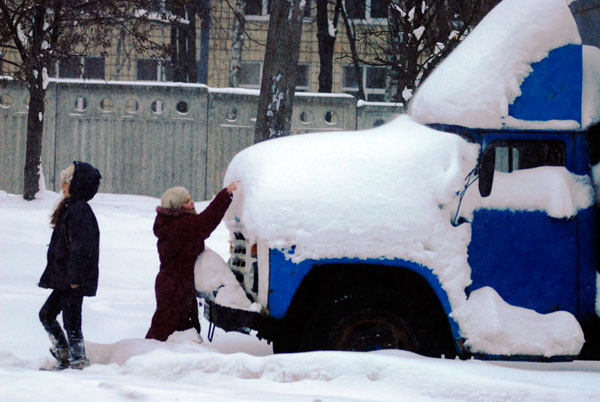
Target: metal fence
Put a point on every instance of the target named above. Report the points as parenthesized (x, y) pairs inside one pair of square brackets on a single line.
[(146, 137)]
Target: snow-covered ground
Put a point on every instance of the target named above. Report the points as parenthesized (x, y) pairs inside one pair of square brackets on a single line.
[(234, 367)]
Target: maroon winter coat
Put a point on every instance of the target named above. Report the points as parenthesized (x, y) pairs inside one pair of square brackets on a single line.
[(181, 236)]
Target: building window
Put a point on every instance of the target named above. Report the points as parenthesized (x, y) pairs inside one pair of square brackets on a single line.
[(372, 77), (157, 5), (93, 68), (257, 7), (153, 70), (262, 8), (367, 9), (251, 74), (303, 78), (78, 67)]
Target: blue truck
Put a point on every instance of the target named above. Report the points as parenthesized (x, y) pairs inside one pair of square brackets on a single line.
[(533, 260)]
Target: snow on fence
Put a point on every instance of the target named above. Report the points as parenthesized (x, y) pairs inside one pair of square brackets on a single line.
[(146, 137)]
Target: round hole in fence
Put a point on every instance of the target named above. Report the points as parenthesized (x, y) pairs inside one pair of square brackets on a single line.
[(231, 115), (132, 105), (157, 107), (107, 105), (6, 101), (81, 104), (378, 122), (182, 107), (306, 117), (331, 117)]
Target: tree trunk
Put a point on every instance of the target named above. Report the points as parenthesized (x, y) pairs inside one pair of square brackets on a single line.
[(326, 42), (204, 41), (278, 84), (35, 129), (237, 40), (191, 68)]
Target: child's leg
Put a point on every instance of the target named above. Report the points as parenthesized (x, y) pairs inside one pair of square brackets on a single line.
[(71, 308), (48, 314)]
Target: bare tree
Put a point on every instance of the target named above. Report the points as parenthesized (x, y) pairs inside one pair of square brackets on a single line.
[(413, 37), (278, 84), (34, 35), (326, 35), (351, 34), (237, 41)]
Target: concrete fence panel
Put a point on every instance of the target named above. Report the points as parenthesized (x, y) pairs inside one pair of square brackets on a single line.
[(142, 139), (146, 137), (14, 106), (232, 117)]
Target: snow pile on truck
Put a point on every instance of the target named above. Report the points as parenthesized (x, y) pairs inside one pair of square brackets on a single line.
[(388, 192), (481, 79)]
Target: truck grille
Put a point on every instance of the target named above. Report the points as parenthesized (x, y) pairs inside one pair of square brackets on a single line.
[(243, 263)]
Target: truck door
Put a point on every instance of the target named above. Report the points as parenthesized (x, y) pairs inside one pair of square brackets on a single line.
[(527, 256)]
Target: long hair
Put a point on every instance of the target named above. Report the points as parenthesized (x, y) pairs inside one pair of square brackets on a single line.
[(58, 212), (65, 177)]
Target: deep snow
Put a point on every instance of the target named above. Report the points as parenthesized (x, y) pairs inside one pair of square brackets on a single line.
[(234, 367)]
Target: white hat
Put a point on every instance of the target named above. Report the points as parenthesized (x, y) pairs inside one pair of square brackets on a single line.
[(174, 198), (67, 175)]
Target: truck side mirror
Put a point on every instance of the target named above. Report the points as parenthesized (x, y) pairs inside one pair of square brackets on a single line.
[(487, 164)]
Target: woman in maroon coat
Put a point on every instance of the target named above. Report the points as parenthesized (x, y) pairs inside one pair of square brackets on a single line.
[(181, 233)]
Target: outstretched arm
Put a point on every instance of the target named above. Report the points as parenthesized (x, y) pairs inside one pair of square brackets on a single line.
[(209, 219)]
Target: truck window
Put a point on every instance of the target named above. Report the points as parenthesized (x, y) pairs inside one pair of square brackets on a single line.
[(516, 155)]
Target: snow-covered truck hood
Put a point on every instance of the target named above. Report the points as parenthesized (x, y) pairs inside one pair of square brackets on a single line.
[(387, 192)]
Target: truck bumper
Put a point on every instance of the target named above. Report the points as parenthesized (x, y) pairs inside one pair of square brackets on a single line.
[(231, 319)]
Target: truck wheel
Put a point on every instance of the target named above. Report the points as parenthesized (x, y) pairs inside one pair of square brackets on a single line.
[(369, 321), (286, 342)]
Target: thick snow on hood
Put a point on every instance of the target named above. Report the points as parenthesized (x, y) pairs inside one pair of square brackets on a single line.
[(387, 192), (478, 81)]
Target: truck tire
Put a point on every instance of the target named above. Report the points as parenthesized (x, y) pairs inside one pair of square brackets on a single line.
[(364, 320)]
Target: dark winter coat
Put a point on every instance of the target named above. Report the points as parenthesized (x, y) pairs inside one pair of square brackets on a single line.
[(181, 236), (74, 245)]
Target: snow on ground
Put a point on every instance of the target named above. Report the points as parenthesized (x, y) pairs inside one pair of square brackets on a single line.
[(234, 367)]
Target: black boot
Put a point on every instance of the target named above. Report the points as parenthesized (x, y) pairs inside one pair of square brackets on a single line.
[(77, 357), (59, 349), (62, 357)]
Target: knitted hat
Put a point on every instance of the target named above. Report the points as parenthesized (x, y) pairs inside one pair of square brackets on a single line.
[(174, 198), (67, 175)]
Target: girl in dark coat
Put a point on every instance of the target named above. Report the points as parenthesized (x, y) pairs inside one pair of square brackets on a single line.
[(181, 233), (72, 269)]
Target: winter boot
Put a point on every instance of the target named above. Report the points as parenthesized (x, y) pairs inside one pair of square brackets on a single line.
[(61, 354), (77, 359), (59, 349)]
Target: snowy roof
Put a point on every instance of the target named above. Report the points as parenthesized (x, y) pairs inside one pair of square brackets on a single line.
[(482, 77)]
